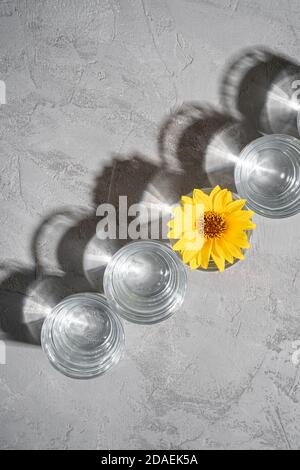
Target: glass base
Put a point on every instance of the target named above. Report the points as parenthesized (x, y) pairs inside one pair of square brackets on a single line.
[(268, 176), (145, 282), (82, 337)]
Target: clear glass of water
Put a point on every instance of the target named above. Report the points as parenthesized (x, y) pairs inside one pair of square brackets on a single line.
[(145, 282), (82, 336), (267, 174)]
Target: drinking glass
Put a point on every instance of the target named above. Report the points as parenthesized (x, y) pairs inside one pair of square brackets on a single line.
[(145, 282), (267, 174), (82, 336)]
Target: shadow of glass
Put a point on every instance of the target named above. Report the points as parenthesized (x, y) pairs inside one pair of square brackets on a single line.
[(71, 233), (26, 300), (69, 256), (200, 147), (262, 87)]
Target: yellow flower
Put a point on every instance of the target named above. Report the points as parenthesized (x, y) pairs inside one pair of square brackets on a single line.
[(210, 226)]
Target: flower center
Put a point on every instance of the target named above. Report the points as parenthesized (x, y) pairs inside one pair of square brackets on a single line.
[(214, 224)]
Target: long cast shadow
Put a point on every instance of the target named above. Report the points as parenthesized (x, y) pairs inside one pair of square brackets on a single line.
[(70, 258), (262, 87), (198, 146), (77, 259)]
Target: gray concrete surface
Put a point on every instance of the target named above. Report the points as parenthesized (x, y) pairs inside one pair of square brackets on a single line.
[(90, 85)]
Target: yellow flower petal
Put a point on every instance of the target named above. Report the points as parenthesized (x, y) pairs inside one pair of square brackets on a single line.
[(193, 240), (190, 236), (228, 198), (171, 223), (235, 206), (236, 232), (234, 250), (188, 255), (183, 221), (241, 225), (219, 199), (222, 250), (177, 211), (239, 240), (213, 194), (180, 245), (240, 215), (220, 262), (249, 226), (194, 263), (205, 253), (188, 221), (199, 257), (200, 197), (186, 200)]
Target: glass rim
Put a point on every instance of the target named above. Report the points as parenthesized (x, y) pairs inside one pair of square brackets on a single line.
[(132, 313), (286, 210), (65, 366)]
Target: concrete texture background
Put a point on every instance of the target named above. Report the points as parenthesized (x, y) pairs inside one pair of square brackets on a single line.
[(91, 86)]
